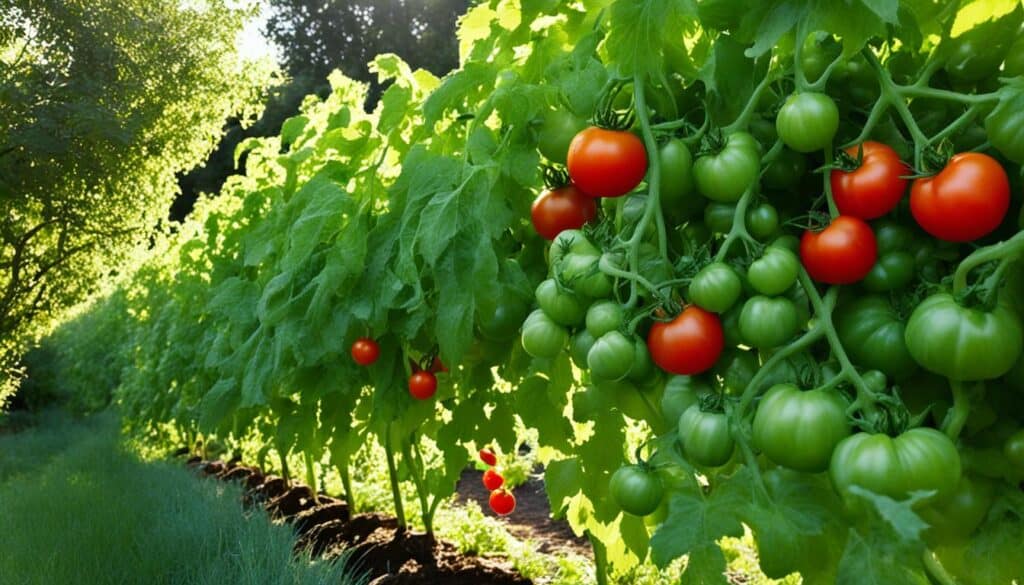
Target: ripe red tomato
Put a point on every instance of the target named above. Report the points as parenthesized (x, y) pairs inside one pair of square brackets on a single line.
[(488, 457), (842, 253), (562, 209), (875, 187), (493, 480), (502, 502), (606, 163), (965, 201), (422, 385), (365, 351), (688, 344)]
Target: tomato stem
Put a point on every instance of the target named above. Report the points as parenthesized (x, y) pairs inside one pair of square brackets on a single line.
[(396, 493), (833, 211), (739, 225), (801, 343), (937, 572), (1008, 249), (957, 416)]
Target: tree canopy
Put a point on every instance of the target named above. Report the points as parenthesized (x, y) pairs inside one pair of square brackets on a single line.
[(102, 102)]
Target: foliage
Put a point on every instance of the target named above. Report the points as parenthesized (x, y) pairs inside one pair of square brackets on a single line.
[(101, 103), (409, 225)]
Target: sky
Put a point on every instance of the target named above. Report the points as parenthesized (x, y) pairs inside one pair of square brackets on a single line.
[(251, 42)]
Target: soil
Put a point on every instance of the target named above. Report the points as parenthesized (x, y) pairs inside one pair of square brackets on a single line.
[(531, 521), (375, 544)]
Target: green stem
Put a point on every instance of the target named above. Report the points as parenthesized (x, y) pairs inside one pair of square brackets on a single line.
[(739, 225), (936, 570), (416, 471), (653, 208), (874, 117), (741, 121), (600, 559), (346, 483), (285, 472), (798, 71), (866, 398), (966, 118), (605, 265), (833, 211), (311, 474), (801, 343), (957, 416), (1011, 248), (396, 493), (892, 93), (915, 91)]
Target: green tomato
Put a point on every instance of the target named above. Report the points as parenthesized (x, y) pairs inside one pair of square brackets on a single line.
[(563, 306), (768, 322), (774, 272), (786, 171), (580, 346), (891, 271), (874, 337), (718, 217), (570, 242), (892, 237), (726, 175), (604, 316), (963, 343), (678, 198), (731, 326), (581, 273), (819, 50), (716, 287), (682, 392), (762, 221), (788, 242), (636, 489), (976, 54), (808, 121), (799, 430), (1013, 448), (643, 369), (542, 337), (557, 130), (921, 459), (736, 368), (954, 520), (501, 320), (705, 437), (611, 357), (1005, 127), (856, 82), (1013, 64)]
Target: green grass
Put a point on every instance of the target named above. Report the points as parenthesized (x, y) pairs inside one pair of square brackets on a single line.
[(77, 507)]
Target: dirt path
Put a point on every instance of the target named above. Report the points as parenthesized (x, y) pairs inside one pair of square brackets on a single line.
[(532, 518)]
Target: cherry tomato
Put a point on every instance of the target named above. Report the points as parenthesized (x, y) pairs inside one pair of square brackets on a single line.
[(488, 457), (636, 489), (566, 208), (807, 121), (365, 351), (875, 187), (502, 502), (606, 163), (689, 344), (493, 480), (422, 385), (842, 253), (965, 201)]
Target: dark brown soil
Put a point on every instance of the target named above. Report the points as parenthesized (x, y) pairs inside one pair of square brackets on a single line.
[(375, 544), (531, 519)]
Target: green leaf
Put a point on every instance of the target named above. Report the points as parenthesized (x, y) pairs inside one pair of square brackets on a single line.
[(217, 404), (694, 525), (637, 30), (562, 480), (535, 406), (292, 128), (887, 546), (777, 22)]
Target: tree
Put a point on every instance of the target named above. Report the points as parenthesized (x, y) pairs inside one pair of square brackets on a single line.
[(102, 102)]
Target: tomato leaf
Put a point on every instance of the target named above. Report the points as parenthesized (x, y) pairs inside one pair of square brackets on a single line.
[(693, 526)]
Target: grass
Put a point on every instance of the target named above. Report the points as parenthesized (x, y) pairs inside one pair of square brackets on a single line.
[(77, 507)]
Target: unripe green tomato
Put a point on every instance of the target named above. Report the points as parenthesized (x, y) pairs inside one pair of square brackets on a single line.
[(557, 130), (808, 121), (611, 357), (774, 272), (798, 429), (762, 221), (767, 322), (705, 437), (682, 392), (542, 337), (564, 307), (604, 316), (580, 346), (716, 287), (636, 489), (718, 217), (786, 171)]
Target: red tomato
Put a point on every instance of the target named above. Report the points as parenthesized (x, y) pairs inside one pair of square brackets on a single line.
[(875, 187), (606, 163), (365, 351), (422, 385), (688, 344), (502, 502), (965, 201), (493, 480), (488, 457), (562, 209), (842, 253)]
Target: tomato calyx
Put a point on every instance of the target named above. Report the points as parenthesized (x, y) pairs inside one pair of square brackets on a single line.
[(555, 177), (609, 118), (713, 142), (846, 162)]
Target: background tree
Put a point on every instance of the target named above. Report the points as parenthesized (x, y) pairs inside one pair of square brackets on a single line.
[(317, 37), (102, 102)]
